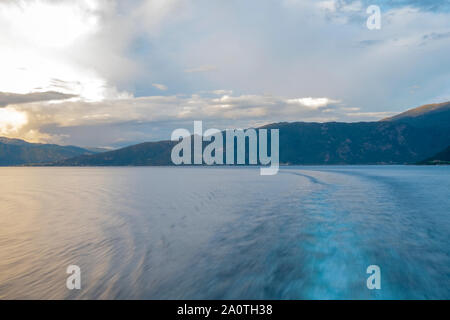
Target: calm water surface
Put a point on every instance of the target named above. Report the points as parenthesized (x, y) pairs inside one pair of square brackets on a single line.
[(224, 233)]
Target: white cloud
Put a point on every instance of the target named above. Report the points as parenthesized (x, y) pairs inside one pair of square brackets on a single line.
[(349, 109), (160, 86), (48, 24), (83, 44), (36, 37), (226, 109), (222, 92), (313, 103), (328, 5), (280, 62), (11, 121), (354, 6)]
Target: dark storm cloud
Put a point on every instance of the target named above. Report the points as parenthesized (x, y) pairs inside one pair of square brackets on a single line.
[(7, 98)]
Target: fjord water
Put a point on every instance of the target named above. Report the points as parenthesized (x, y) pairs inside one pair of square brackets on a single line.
[(225, 233)]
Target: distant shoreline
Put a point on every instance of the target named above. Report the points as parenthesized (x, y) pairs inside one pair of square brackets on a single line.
[(227, 166)]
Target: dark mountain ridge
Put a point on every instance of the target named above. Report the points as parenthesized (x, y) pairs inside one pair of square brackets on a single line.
[(404, 139), (15, 152), (357, 143), (143, 154), (430, 115), (442, 157), (407, 138)]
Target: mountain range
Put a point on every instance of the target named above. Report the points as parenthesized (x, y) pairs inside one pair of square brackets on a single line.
[(430, 115), (407, 138), (15, 152), (442, 157)]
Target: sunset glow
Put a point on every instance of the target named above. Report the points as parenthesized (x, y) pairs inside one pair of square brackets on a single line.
[(11, 120)]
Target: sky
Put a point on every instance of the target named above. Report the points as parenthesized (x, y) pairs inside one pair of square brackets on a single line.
[(110, 73)]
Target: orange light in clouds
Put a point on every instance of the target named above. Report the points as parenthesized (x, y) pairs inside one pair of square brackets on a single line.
[(11, 120)]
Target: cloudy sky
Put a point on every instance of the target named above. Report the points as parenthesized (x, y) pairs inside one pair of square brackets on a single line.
[(111, 72)]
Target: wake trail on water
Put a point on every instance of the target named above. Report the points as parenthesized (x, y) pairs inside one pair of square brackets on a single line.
[(335, 267), (159, 233)]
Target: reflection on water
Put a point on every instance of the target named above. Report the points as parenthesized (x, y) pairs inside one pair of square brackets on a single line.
[(224, 233)]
